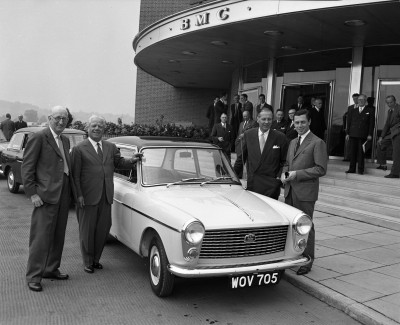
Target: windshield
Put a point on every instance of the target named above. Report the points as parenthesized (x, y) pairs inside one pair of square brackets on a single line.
[(177, 166)]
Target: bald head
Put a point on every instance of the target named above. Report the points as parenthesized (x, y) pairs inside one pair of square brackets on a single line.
[(58, 119)]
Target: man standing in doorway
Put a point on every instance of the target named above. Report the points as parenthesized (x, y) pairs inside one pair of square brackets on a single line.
[(262, 104), (236, 115), (221, 135), (306, 162), (390, 137), (346, 151), (291, 132), (280, 123), (318, 124), (246, 105)]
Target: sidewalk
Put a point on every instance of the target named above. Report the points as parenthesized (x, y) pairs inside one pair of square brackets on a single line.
[(357, 269)]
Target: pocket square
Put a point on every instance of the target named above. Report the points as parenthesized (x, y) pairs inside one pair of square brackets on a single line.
[(366, 113), (275, 147)]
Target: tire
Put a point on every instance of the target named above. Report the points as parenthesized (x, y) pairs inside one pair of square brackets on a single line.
[(12, 185), (161, 280)]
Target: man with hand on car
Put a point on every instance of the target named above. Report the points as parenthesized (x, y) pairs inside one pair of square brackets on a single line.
[(93, 164)]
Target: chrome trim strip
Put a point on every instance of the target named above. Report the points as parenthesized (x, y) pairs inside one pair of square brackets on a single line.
[(221, 271), (147, 216)]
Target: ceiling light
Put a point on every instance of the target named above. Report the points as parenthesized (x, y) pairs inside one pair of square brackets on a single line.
[(188, 53), (273, 33), (350, 62), (288, 47), (219, 43), (226, 62), (173, 61), (301, 70), (355, 22)]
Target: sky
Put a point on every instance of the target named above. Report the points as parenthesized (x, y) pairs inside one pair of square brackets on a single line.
[(76, 53)]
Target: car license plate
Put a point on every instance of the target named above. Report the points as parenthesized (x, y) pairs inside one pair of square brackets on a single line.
[(254, 280)]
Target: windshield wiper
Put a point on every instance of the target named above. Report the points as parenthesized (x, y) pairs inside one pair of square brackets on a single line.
[(217, 179), (184, 180)]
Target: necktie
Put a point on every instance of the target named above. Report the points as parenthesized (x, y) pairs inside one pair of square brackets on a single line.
[(244, 125), (61, 147), (297, 144), (223, 125), (360, 109), (390, 115), (262, 142), (99, 151)]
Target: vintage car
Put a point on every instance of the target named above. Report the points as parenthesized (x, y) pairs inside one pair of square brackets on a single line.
[(184, 208), (12, 156)]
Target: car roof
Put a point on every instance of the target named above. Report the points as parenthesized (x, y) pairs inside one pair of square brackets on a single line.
[(154, 141), (35, 129)]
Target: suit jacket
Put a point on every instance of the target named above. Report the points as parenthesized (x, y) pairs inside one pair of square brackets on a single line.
[(219, 108), (259, 107), (249, 125), (280, 126), (8, 128), (42, 169), (263, 168), (361, 125), (235, 116), (296, 107), (227, 133), (91, 175), (20, 125), (392, 124), (310, 162), (318, 125), (248, 106), (291, 132), (210, 116)]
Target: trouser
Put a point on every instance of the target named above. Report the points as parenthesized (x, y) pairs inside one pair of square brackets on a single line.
[(346, 154), (381, 150), (308, 208), (94, 227), (47, 234), (357, 154)]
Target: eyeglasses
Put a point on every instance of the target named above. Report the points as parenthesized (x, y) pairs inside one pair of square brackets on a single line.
[(58, 118)]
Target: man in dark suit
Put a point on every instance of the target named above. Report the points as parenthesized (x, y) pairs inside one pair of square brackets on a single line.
[(93, 164), (390, 136), (221, 106), (360, 127), (280, 124), (262, 104), (211, 112), (20, 123), (291, 132), (222, 135), (235, 115), (246, 105), (8, 127), (306, 162), (46, 175), (300, 104), (264, 151), (317, 115), (346, 151)]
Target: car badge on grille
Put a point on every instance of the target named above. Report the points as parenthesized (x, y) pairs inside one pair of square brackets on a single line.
[(249, 238)]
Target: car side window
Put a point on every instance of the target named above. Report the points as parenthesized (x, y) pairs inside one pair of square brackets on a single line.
[(129, 174), (16, 142)]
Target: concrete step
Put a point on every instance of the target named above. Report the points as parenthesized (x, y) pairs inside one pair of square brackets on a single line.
[(372, 171), (370, 195), (360, 205), (363, 178), (376, 219)]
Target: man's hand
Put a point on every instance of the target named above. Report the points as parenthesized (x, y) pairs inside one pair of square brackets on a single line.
[(380, 140), (36, 200), (220, 139), (283, 178), (81, 202), (347, 137), (291, 176), (137, 157)]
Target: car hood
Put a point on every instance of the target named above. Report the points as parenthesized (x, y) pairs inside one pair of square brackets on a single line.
[(220, 206)]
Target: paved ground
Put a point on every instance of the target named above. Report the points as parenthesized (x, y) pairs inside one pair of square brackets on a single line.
[(121, 294)]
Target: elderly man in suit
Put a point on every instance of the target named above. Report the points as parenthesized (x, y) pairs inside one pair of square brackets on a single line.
[(222, 135), (8, 127), (264, 150), (291, 132), (262, 104), (390, 137), (360, 128), (94, 161), (246, 104), (300, 103), (20, 123), (306, 161), (280, 124), (317, 115), (46, 175)]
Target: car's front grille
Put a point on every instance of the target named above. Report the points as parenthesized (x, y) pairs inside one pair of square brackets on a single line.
[(243, 242)]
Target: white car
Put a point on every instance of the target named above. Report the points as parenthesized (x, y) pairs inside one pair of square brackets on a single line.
[(184, 208)]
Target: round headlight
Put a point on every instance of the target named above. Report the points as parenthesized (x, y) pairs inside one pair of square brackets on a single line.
[(303, 225), (194, 232)]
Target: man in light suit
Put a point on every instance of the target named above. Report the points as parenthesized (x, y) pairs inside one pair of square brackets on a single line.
[(93, 164), (8, 127), (46, 175), (306, 162), (222, 135), (390, 137), (264, 150)]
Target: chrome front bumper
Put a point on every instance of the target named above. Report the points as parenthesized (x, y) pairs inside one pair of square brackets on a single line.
[(227, 271)]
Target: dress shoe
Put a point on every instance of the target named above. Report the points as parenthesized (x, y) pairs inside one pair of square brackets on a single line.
[(382, 167), (350, 171), (59, 276), (97, 266), (303, 270), (346, 160), (392, 176), (88, 269), (35, 286), (360, 173)]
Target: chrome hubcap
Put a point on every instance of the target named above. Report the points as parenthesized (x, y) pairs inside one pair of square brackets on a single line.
[(155, 268), (10, 179)]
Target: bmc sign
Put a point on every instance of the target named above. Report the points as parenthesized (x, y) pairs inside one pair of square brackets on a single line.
[(204, 18)]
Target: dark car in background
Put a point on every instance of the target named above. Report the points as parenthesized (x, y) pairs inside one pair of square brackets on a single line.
[(12, 155)]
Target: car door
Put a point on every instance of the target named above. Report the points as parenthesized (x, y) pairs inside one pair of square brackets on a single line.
[(13, 155)]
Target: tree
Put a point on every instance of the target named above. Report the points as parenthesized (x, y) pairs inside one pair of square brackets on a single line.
[(42, 119), (31, 115)]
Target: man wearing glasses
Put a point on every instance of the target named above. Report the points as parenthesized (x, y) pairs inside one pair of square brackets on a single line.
[(47, 179)]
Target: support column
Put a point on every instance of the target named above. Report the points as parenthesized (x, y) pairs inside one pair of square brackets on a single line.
[(356, 73), (270, 81)]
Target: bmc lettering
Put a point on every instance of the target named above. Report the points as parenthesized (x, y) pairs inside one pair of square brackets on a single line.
[(204, 18)]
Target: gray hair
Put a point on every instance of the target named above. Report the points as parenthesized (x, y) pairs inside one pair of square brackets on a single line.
[(94, 117), (58, 109)]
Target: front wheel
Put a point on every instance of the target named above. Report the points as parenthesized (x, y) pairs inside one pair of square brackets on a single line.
[(161, 280), (12, 184)]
